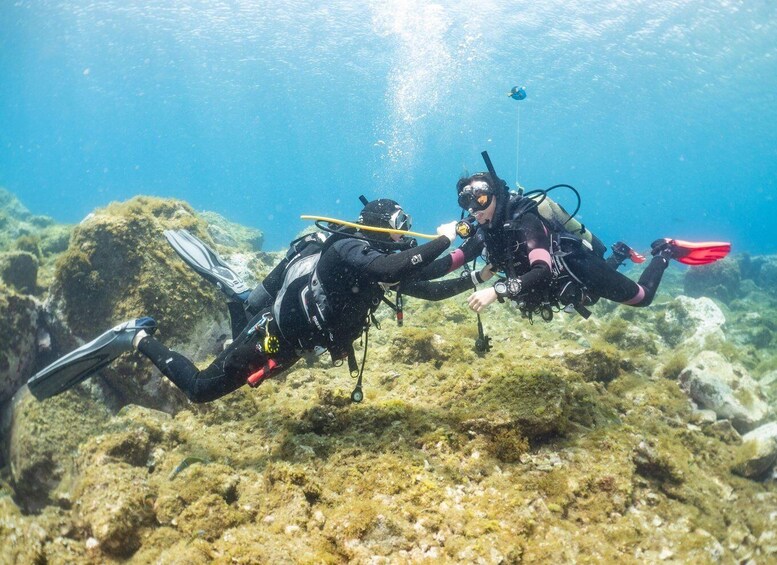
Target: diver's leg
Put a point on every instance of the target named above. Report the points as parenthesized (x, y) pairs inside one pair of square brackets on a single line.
[(258, 300), (607, 283), (199, 386), (265, 292), (237, 317), (227, 373), (230, 370)]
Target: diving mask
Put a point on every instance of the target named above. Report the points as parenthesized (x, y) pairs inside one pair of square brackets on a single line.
[(476, 196)]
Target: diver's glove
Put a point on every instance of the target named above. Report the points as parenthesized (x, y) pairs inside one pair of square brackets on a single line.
[(448, 230)]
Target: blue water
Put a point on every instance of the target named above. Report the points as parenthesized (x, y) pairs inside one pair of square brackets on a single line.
[(661, 113)]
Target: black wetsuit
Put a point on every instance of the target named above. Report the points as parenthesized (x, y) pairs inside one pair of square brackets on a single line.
[(521, 245), (349, 270)]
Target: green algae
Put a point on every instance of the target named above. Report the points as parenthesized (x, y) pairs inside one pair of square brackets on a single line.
[(672, 368), (601, 363)]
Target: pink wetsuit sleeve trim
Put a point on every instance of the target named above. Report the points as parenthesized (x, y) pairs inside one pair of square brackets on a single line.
[(541, 255), (637, 297), (457, 259)]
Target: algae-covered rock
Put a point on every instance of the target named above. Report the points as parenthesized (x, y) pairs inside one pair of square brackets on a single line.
[(656, 459), (534, 400), (717, 280), (118, 266), (690, 321), (19, 542), (726, 388), (600, 364), (232, 235), (16, 220), (623, 333), (44, 440), (18, 344), (758, 451), (756, 329), (113, 488), (114, 503), (767, 274), (768, 383), (19, 269), (416, 345)]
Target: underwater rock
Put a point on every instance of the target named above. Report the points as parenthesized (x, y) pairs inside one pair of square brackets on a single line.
[(758, 451), (43, 440), (19, 269), (654, 460), (690, 321), (623, 333), (767, 274), (114, 503), (18, 344), (11, 206), (752, 328), (717, 280), (703, 417), (533, 400), (16, 220), (600, 364), (118, 266), (421, 345), (749, 266), (768, 382), (714, 383), (232, 235)]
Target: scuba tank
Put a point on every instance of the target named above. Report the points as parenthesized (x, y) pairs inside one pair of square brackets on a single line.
[(556, 216)]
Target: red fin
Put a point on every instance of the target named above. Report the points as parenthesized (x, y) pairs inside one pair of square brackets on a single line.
[(699, 253)]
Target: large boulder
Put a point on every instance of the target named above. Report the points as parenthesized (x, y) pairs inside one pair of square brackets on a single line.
[(689, 322), (232, 235), (113, 488), (533, 401), (118, 266), (17, 221), (18, 347), (717, 280), (19, 269), (767, 274), (44, 439), (727, 388)]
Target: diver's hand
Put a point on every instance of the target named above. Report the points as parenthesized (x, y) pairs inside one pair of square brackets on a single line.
[(486, 272), (448, 230), (481, 299)]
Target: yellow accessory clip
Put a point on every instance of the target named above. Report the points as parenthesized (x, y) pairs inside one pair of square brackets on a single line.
[(271, 344), (367, 228)]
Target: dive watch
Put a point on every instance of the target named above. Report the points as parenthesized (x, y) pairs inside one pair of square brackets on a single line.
[(509, 288)]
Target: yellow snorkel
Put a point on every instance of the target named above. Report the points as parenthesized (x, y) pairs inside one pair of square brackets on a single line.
[(362, 227)]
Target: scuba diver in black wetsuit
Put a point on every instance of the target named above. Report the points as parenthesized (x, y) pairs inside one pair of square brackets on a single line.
[(547, 267), (320, 297)]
